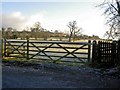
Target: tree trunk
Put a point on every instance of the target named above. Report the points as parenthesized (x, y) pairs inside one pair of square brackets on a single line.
[(70, 37)]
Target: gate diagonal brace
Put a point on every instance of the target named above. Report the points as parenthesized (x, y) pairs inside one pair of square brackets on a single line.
[(43, 51), (16, 49), (72, 53)]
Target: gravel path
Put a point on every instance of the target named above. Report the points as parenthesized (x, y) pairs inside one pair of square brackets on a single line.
[(30, 77)]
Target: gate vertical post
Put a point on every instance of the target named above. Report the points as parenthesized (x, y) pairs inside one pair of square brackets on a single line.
[(5, 47), (94, 54), (2, 47), (99, 52), (89, 50), (118, 52), (27, 48), (113, 53)]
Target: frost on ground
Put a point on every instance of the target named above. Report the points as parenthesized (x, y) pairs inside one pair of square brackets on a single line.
[(57, 76)]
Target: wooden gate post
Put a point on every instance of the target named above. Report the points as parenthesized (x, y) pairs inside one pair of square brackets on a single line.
[(113, 53), (118, 52), (94, 54), (4, 47), (99, 52), (27, 48), (0, 48), (89, 51)]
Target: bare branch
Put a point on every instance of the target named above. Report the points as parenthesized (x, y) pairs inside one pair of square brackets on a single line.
[(112, 13)]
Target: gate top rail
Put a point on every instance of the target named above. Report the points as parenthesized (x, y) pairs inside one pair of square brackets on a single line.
[(15, 41), (58, 42), (48, 42)]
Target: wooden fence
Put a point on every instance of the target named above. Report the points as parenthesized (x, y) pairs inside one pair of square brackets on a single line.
[(106, 54), (79, 52)]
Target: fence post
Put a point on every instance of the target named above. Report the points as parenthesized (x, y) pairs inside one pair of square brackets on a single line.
[(5, 47), (113, 53), (27, 48), (2, 45), (0, 48), (118, 52), (99, 52), (94, 54), (89, 51)]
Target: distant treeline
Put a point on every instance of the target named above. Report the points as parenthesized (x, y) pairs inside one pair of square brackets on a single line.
[(10, 33)]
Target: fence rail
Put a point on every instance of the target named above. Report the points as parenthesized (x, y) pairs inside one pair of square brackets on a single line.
[(49, 50)]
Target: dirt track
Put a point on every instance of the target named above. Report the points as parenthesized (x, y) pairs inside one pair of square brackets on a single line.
[(28, 77)]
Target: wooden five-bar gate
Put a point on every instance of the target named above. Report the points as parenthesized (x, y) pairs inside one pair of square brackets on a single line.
[(79, 52)]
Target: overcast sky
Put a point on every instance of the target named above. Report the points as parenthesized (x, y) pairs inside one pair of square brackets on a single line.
[(55, 15)]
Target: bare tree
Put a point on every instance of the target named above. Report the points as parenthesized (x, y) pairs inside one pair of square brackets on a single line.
[(36, 30), (77, 32), (74, 30), (3, 32), (112, 12), (37, 26), (8, 33), (23, 34)]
